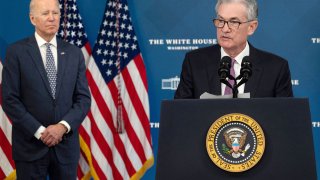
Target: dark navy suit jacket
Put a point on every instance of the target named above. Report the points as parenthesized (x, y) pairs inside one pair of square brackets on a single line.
[(28, 102), (270, 74)]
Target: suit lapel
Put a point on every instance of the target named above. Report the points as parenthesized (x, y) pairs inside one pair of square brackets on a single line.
[(34, 52), (257, 69), (213, 62), (62, 62)]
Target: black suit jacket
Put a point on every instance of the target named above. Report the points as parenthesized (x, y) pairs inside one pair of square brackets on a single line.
[(270, 74), (28, 102)]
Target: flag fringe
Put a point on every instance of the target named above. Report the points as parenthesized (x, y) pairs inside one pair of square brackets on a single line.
[(87, 176), (12, 176), (138, 175), (148, 164), (84, 147)]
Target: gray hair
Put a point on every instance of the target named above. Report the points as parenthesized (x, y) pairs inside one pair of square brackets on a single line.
[(251, 5), (32, 5)]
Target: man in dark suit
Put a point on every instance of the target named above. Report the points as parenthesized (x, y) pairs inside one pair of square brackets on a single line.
[(235, 21), (45, 94)]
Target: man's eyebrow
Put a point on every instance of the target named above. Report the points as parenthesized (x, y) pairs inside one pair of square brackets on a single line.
[(233, 18)]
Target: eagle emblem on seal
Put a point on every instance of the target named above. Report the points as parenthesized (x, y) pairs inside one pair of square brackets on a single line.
[(235, 139)]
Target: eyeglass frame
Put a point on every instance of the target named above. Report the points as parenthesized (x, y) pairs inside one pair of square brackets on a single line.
[(233, 21)]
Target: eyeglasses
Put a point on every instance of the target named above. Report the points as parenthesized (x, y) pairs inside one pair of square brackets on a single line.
[(232, 24)]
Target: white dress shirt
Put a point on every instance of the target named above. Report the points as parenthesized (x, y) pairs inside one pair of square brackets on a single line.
[(237, 67), (41, 44)]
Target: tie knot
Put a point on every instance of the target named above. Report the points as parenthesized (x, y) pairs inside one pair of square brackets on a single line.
[(47, 45), (233, 61)]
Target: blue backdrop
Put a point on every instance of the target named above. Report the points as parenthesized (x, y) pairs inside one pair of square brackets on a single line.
[(167, 29)]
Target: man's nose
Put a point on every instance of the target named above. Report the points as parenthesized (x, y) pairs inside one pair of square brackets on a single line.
[(51, 16), (225, 28)]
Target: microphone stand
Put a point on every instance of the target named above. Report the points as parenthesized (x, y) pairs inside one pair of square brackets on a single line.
[(235, 89), (224, 81), (235, 86)]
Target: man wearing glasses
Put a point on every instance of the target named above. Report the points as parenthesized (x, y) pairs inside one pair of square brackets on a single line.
[(235, 21)]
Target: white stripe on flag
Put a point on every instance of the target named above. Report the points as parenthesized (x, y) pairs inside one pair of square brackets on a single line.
[(5, 164), (107, 134), (5, 125), (100, 159), (135, 121), (85, 54), (139, 86), (84, 166)]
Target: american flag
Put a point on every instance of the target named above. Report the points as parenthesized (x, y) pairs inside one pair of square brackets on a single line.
[(115, 137), (7, 167), (121, 145), (72, 30)]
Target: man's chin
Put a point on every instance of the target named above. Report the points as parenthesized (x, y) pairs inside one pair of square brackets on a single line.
[(225, 45), (52, 30), (51, 33)]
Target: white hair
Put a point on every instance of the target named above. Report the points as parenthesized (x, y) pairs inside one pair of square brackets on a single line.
[(32, 5), (251, 5)]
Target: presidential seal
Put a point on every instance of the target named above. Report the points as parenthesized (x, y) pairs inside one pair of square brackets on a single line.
[(235, 142)]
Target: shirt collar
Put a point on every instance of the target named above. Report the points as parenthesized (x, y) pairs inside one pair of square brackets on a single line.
[(41, 41), (243, 53)]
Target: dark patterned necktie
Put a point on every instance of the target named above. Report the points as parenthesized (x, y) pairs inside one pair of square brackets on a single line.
[(51, 70), (228, 90)]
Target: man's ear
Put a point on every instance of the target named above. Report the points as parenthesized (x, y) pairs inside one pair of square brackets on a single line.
[(252, 27), (32, 19)]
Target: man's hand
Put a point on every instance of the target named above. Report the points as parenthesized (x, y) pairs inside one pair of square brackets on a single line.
[(53, 134)]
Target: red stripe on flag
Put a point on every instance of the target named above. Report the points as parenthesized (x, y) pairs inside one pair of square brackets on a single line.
[(79, 172), (134, 138), (88, 48), (2, 175), (6, 147), (130, 131), (84, 156), (85, 136), (136, 103), (104, 110), (142, 70), (104, 146), (98, 170)]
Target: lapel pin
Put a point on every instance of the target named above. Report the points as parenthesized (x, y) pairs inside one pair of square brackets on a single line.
[(62, 53)]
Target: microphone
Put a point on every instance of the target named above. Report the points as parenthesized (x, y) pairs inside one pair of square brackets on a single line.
[(245, 71), (224, 69), (246, 68)]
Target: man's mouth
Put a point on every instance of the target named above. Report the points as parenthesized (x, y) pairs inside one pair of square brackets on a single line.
[(225, 37)]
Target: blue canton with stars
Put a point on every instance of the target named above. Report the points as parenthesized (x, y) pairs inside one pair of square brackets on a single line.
[(71, 27), (111, 44)]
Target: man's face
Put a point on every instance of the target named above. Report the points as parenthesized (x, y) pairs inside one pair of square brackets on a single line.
[(234, 39), (46, 18)]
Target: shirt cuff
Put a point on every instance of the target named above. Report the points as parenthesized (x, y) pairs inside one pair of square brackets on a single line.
[(39, 132), (66, 125)]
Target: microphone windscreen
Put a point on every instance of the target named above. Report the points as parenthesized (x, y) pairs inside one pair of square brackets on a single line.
[(246, 67), (224, 69), (226, 60), (246, 63)]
